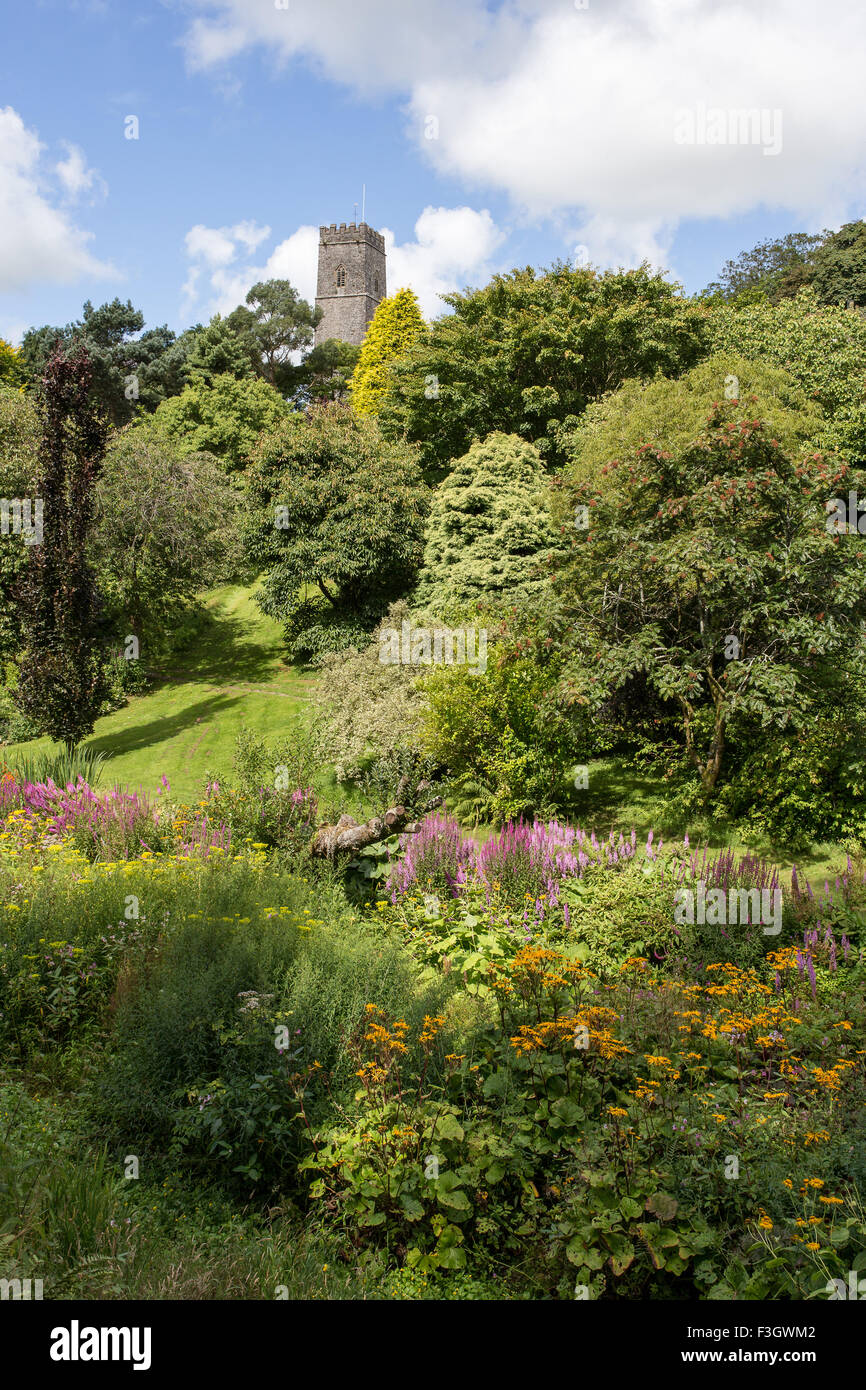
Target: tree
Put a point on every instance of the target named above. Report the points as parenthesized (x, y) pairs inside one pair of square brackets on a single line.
[(325, 372), (490, 529), (396, 325), (276, 325), (11, 366), (223, 417), (840, 267), (167, 526), (219, 350), (709, 582), (832, 264), (822, 349), (339, 511), (670, 414), (61, 683), (773, 270), (132, 370), (529, 352)]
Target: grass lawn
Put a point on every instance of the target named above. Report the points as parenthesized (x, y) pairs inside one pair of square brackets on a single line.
[(234, 672), (619, 797)]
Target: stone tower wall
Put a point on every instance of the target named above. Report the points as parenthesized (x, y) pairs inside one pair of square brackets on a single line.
[(360, 252)]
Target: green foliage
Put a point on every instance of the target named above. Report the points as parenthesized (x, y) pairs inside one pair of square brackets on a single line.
[(619, 913), (671, 414), (840, 267), (132, 370), (804, 789), (325, 373), (490, 532), (167, 526), (831, 264), (396, 325), (773, 270), (67, 1207), (11, 366), (61, 682), (335, 508), (365, 708), (467, 934), (271, 802), (202, 1022), (224, 417), (735, 602), (274, 324), (822, 349), (219, 350), (19, 444), (507, 746), (526, 355), (60, 767)]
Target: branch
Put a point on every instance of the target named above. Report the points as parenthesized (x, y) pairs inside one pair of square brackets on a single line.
[(347, 836)]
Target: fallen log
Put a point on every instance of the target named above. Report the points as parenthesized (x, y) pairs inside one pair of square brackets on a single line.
[(347, 836)]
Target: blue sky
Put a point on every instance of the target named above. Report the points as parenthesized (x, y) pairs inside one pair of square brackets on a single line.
[(488, 136)]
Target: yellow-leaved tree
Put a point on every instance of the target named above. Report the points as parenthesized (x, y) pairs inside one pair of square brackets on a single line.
[(395, 326), (11, 367)]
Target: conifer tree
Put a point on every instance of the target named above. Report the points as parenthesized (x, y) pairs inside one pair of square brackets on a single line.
[(490, 531)]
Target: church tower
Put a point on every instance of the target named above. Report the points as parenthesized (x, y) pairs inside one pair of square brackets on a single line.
[(351, 280)]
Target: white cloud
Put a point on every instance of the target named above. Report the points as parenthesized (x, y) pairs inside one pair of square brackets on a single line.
[(572, 112), (13, 330), (39, 244), (74, 174), (371, 47), (222, 255), (451, 246)]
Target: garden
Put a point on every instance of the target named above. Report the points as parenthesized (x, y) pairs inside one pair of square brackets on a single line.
[(432, 822)]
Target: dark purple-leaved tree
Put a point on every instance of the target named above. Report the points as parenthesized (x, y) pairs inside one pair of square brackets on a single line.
[(62, 682)]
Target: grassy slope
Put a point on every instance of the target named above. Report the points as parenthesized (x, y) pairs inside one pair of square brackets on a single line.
[(233, 673), (619, 797)]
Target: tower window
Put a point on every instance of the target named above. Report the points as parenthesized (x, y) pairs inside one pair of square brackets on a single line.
[(376, 285), (341, 277)]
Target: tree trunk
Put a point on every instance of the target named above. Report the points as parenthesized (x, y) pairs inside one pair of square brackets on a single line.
[(347, 836)]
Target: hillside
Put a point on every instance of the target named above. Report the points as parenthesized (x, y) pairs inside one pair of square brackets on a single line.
[(232, 673)]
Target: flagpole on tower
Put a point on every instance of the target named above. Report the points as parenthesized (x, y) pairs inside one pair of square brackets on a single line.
[(363, 202)]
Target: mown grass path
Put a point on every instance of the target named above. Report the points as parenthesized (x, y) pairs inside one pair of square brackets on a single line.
[(234, 672)]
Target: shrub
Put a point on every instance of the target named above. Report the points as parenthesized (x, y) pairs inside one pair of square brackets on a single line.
[(395, 326), (223, 417), (273, 803), (195, 1064), (366, 708), (507, 746)]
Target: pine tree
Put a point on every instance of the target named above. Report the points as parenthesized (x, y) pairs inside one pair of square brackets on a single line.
[(62, 683), (396, 325)]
